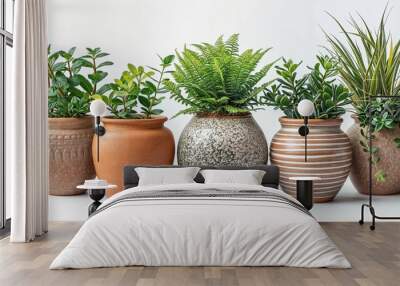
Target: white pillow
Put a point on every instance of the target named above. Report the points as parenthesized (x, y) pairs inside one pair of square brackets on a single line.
[(247, 177), (166, 176)]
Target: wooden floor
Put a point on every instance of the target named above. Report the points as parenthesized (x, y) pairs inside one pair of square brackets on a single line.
[(375, 257)]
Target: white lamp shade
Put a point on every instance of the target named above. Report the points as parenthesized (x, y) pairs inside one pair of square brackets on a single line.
[(306, 108), (97, 107)]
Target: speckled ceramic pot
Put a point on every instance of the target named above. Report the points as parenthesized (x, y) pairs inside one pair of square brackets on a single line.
[(215, 140), (389, 156)]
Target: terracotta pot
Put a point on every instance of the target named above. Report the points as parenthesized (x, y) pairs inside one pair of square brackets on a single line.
[(329, 156), (215, 140), (389, 156), (70, 154), (132, 142)]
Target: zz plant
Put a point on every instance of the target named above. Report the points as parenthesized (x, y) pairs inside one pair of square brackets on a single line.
[(138, 87), (318, 85), (217, 79), (74, 80), (369, 64)]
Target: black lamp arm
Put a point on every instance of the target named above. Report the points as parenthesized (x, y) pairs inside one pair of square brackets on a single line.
[(303, 131), (99, 130)]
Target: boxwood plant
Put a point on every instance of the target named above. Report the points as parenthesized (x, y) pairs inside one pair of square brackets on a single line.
[(318, 85), (136, 93), (217, 78), (74, 80)]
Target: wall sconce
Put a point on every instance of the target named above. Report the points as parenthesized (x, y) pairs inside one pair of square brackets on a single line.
[(98, 108), (306, 109)]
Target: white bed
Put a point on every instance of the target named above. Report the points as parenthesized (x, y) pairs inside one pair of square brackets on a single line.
[(185, 230)]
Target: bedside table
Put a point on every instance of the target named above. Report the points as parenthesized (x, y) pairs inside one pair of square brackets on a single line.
[(96, 193), (304, 190)]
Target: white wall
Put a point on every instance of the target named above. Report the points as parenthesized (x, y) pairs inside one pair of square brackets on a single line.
[(136, 30)]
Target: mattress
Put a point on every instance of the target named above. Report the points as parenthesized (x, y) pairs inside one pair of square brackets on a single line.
[(201, 225)]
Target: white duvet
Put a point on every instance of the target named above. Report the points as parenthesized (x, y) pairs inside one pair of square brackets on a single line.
[(200, 231)]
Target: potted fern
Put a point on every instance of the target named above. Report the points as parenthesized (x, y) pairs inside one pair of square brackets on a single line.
[(370, 66), (72, 81), (329, 149), (135, 131), (220, 87)]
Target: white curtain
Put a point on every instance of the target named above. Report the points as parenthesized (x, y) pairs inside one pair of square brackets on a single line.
[(26, 120)]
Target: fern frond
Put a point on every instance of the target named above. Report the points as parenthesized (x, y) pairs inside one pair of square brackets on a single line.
[(217, 79)]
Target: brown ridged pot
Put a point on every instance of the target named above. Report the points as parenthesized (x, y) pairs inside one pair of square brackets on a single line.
[(70, 154), (328, 156), (389, 156), (131, 142)]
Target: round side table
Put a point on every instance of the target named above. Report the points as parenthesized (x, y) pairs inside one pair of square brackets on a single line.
[(96, 193), (304, 190)]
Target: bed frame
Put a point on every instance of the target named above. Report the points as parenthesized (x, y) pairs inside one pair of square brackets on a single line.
[(270, 179)]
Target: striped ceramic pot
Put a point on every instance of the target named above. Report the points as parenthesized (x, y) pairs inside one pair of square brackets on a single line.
[(329, 156)]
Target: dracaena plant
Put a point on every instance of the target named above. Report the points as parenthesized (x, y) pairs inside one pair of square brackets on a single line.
[(136, 93), (318, 85), (217, 78), (74, 80), (369, 64)]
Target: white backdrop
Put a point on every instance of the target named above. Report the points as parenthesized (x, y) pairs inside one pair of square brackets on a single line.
[(136, 30)]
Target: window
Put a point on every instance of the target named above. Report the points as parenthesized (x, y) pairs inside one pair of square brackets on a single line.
[(6, 43)]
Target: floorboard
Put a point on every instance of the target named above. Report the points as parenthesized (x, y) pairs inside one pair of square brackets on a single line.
[(375, 257)]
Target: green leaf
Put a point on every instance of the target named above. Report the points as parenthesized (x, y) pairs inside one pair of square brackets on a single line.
[(151, 86), (140, 70), (132, 69), (108, 63), (85, 84), (105, 88), (72, 50), (97, 76), (144, 101), (168, 60), (101, 55), (146, 91), (84, 63)]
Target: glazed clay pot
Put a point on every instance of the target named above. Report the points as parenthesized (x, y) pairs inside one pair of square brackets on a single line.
[(389, 156), (215, 140), (131, 142), (328, 152), (70, 154)]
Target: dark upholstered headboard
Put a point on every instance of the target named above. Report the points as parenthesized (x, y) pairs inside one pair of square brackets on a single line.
[(271, 177)]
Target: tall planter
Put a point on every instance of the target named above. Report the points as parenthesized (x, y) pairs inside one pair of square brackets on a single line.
[(132, 141), (389, 156), (70, 154), (215, 140), (329, 156)]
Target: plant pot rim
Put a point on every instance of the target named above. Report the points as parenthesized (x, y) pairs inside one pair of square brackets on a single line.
[(86, 117), (300, 121), (153, 122), (218, 115), (65, 123)]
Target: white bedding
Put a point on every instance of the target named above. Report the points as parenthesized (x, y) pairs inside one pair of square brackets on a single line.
[(200, 231)]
